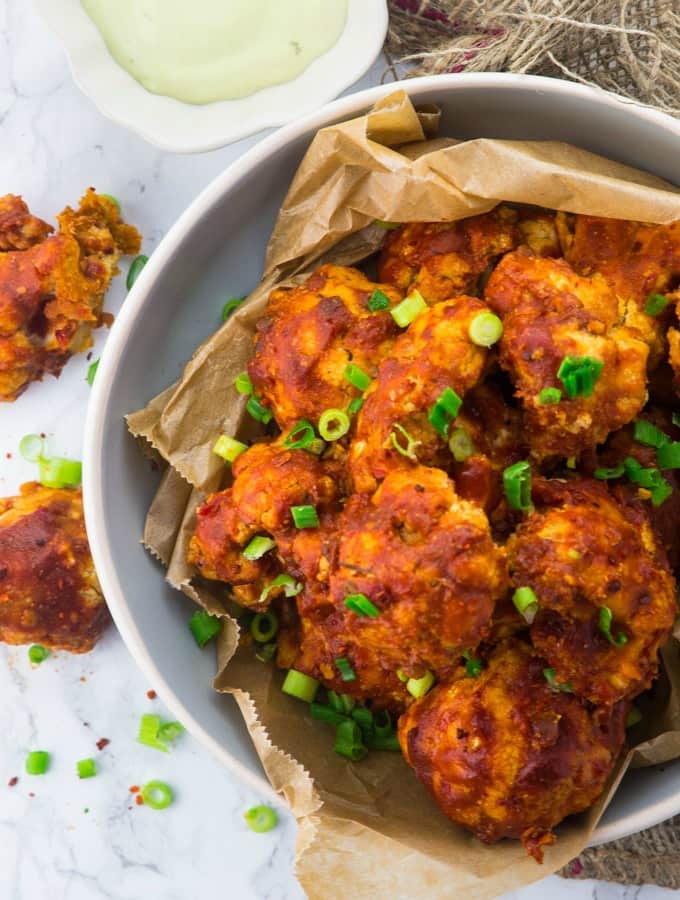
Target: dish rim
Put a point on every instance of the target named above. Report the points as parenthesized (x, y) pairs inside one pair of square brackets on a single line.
[(342, 108)]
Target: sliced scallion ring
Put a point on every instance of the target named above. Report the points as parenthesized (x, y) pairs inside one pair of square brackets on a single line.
[(32, 448), (297, 684), (399, 434), (605, 625), (135, 270), (486, 329), (264, 626), (444, 411), (405, 312), (243, 384), (460, 444), (418, 687), (526, 603), (301, 436), (258, 546), (58, 472), (333, 424), (357, 377), (157, 794), (291, 587), (228, 448)]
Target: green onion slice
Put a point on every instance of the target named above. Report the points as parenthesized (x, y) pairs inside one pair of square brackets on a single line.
[(305, 516), (579, 375), (364, 719), (382, 723), (37, 762), (257, 548), (605, 624), (266, 652), (291, 587), (135, 270), (378, 300), (407, 449), (406, 311), (264, 626), (204, 627), (460, 444), (114, 200), (605, 474), (297, 684), (357, 377), (418, 687), (655, 304), (549, 396), (170, 731), (157, 794), (326, 713), (517, 485), (361, 605), (675, 418), (668, 456), (634, 716), (650, 479), (526, 603), (58, 472), (37, 654), (243, 384), (149, 727), (333, 424), (348, 741), (341, 703), (355, 405), (258, 410), (32, 447), (649, 434), (91, 372), (473, 665), (300, 437), (345, 669), (384, 742), (230, 306), (444, 411), (549, 675), (486, 329), (228, 448), (86, 768)]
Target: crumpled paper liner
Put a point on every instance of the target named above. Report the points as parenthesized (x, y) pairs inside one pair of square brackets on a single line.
[(371, 826)]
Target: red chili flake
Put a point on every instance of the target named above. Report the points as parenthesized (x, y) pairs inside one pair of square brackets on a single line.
[(151, 695), (139, 800), (134, 789), (31, 794), (13, 780), (8, 455), (43, 435), (102, 742)]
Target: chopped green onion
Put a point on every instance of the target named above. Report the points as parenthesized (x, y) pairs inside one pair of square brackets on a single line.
[(355, 405), (348, 741), (606, 474), (418, 687), (58, 472), (257, 548), (460, 444), (345, 669), (258, 410), (655, 304), (243, 384), (317, 447), (444, 411), (149, 727), (668, 456), (378, 300), (634, 716), (485, 329), (361, 605), (37, 654), (473, 665), (605, 624), (388, 226), (301, 436), (87, 768), (573, 554), (549, 396), (135, 270), (406, 311), (157, 794), (297, 684), (357, 377), (517, 485), (291, 587), (32, 447), (364, 719), (326, 713), (230, 306), (37, 762), (204, 627), (384, 742), (170, 731), (407, 450), (649, 434), (571, 462), (382, 723), (526, 603), (341, 703), (261, 819), (650, 479), (333, 424), (305, 516), (264, 626), (228, 448), (114, 200), (266, 652), (579, 375), (549, 675), (402, 676), (91, 372)]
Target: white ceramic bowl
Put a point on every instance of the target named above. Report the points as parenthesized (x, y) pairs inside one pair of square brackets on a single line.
[(186, 128), (215, 250)]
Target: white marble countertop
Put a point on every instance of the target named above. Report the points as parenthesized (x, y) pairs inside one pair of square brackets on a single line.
[(60, 837)]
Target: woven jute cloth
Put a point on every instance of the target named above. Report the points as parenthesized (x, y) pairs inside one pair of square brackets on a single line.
[(631, 47)]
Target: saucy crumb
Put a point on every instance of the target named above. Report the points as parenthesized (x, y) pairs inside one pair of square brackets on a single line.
[(151, 695), (102, 742), (13, 780)]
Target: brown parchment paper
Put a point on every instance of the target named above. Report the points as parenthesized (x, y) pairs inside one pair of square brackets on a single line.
[(370, 828)]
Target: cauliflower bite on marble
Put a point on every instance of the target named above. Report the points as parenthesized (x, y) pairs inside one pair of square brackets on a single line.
[(505, 755), (52, 287), (49, 593)]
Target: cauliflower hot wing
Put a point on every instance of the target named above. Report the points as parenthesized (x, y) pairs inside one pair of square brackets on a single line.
[(506, 756), (550, 313), (49, 592), (582, 553)]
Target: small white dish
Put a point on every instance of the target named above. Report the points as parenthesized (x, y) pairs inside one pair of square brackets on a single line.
[(186, 128)]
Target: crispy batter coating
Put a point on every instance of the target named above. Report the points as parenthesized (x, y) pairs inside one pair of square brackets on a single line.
[(445, 259), (538, 230), (268, 480), (19, 230), (506, 756), (310, 333), (51, 291), (549, 312), (581, 551), (49, 591), (434, 353)]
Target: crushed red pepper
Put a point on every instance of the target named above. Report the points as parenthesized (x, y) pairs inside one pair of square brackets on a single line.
[(102, 742), (151, 695), (13, 780)]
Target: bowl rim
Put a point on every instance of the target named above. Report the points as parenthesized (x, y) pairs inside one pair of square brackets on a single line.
[(344, 107), (173, 125)]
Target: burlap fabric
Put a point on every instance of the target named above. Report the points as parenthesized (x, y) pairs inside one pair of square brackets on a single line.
[(631, 47)]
